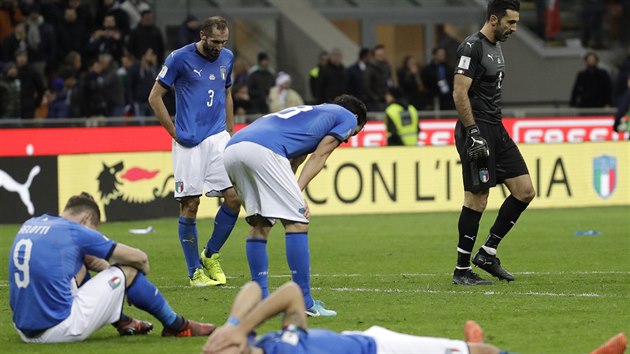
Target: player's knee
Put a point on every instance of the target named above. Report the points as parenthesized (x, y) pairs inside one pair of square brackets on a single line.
[(231, 200), (527, 195), (130, 274), (190, 206)]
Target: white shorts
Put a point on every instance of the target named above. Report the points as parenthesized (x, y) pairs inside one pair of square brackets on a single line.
[(98, 302), (200, 168), (390, 342), (264, 182)]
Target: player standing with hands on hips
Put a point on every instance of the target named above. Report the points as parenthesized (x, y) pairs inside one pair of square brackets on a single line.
[(201, 75), (488, 154)]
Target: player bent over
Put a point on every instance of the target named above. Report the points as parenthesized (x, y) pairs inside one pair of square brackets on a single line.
[(248, 312), (261, 161), (48, 307)]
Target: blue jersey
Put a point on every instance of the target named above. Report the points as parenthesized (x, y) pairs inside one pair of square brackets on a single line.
[(200, 88), (297, 131), (47, 253), (315, 341)]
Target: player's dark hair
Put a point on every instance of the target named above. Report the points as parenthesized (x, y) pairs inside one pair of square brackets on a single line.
[(214, 22), (499, 7), (78, 204), (354, 105)]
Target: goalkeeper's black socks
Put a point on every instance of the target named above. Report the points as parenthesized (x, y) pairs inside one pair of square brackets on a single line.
[(468, 226), (509, 213)]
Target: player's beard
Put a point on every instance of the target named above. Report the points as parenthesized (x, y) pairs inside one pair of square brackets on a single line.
[(502, 35), (210, 52)]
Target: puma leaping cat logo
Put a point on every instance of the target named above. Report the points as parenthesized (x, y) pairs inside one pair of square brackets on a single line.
[(22, 190), (198, 72)]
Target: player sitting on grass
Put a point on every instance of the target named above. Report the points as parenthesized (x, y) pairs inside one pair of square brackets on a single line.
[(248, 312), (48, 307)]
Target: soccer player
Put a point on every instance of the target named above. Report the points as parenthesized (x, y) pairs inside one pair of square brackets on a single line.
[(488, 154), (47, 305), (261, 160), (201, 75), (248, 312)]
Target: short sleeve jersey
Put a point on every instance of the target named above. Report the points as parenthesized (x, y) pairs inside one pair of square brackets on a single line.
[(200, 92), (482, 61), (47, 253), (297, 131), (315, 341)]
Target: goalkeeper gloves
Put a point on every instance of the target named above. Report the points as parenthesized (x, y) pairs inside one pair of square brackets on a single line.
[(476, 146)]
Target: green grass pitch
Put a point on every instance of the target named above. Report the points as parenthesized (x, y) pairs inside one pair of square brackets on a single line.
[(571, 292)]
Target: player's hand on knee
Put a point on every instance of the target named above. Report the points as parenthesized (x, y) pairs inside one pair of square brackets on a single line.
[(476, 146)]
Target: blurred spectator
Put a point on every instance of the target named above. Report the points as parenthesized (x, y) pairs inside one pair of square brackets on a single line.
[(261, 79), (72, 36), (84, 14), (378, 79), (141, 79), (92, 95), (106, 40), (113, 90), (592, 86), (332, 77), (446, 41), (624, 72), (112, 7), (410, 83), (64, 95), (282, 95), (623, 107), (72, 61), (240, 72), (53, 11), (401, 119), (438, 78), (593, 23), (10, 16), (14, 42), (134, 9), (31, 85), (42, 42), (188, 31), (9, 91), (314, 76), (242, 103), (146, 35), (355, 75)]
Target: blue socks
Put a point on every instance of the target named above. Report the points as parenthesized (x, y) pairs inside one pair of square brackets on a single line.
[(145, 296), (256, 249), (223, 224), (298, 257), (188, 238)]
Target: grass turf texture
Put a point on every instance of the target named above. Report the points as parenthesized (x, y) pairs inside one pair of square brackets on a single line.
[(570, 294)]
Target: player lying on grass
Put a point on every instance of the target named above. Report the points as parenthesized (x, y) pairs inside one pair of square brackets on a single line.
[(48, 307), (248, 312)]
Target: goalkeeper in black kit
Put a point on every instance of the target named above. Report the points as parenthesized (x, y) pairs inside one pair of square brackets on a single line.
[(488, 154)]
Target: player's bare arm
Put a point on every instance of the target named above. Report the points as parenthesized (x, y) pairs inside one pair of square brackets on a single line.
[(229, 111), (157, 104), (130, 256), (461, 86), (317, 161), (95, 264), (296, 162)]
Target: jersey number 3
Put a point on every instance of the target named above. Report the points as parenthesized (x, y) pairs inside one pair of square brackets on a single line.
[(22, 277), (211, 95)]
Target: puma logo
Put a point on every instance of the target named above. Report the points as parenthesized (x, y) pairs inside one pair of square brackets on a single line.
[(22, 190), (469, 237), (198, 72), (476, 141), (469, 44), (491, 57)]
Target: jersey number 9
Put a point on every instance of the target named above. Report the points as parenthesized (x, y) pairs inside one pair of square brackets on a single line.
[(22, 280)]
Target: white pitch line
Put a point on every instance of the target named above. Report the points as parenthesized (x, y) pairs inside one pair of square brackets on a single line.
[(428, 291)]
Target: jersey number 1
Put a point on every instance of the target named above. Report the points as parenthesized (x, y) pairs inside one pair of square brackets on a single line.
[(22, 280)]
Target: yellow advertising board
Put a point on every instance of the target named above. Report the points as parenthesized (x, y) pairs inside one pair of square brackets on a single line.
[(421, 179), (127, 186), (131, 186)]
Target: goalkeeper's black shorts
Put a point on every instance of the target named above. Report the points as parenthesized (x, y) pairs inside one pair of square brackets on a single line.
[(505, 160)]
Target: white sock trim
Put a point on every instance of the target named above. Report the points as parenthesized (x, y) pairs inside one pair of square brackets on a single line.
[(490, 251), (462, 251)]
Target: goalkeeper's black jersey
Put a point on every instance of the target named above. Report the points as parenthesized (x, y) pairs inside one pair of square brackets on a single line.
[(483, 62)]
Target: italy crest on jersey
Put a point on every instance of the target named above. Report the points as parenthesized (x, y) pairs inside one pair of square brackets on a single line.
[(223, 72), (605, 175)]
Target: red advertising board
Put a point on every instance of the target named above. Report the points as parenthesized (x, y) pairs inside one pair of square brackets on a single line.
[(62, 141)]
